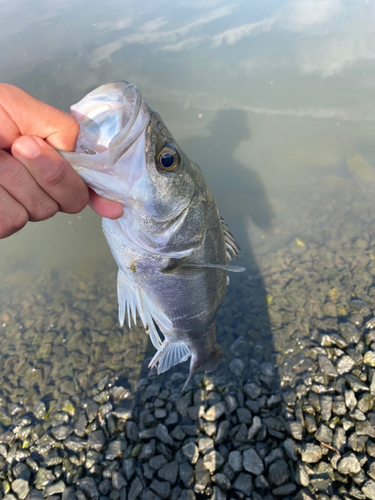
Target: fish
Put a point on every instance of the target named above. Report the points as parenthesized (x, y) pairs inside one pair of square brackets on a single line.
[(171, 246)]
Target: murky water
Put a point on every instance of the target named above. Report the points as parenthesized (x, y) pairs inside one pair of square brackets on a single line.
[(275, 101)]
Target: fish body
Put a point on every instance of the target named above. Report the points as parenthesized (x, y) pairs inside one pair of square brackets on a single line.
[(171, 246)]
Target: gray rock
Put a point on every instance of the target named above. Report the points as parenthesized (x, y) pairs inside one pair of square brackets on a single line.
[(55, 489), (223, 431), (348, 464), (61, 432), (324, 434), (326, 366), (186, 474), (215, 412), (244, 416), (231, 402), (285, 490), (21, 488), (135, 489), (255, 427), (345, 364), (275, 454), (244, 484), (213, 461), (205, 444), (278, 472), (157, 462), (161, 488), (190, 452), (240, 347), (38, 495), (290, 449), (365, 429), (149, 495), (118, 480), (187, 495), (115, 449), (368, 489), (326, 407), (222, 481), (311, 453), (43, 478), (21, 471), (163, 435), (252, 390), (218, 494), (350, 399), (128, 467), (355, 383), (147, 451), (252, 462), (96, 440), (89, 488), (295, 429), (235, 460), (169, 472), (236, 367), (202, 477)]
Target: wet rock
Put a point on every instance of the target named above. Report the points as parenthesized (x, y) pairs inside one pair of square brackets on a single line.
[(344, 364), (252, 462), (236, 367), (240, 347), (326, 366)]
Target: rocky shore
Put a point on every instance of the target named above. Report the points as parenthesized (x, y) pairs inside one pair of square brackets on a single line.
[(289, 413)]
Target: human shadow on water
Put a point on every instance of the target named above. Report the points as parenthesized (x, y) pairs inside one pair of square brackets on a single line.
[(241, 198)]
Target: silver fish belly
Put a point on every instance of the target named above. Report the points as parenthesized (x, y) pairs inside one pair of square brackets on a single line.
[(171, 246)]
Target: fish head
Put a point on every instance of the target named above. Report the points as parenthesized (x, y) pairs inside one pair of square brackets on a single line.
[(126, 153)]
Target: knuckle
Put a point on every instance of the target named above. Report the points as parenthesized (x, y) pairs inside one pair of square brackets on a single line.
[(78, 204), (55, 175), (45, 210)]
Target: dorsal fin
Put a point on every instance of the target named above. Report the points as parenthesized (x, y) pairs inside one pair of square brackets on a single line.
[(231, 246)]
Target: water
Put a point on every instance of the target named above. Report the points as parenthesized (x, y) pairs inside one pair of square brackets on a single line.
[(275, 102)]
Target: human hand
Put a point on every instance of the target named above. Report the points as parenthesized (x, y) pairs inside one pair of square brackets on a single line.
[(36, 182)]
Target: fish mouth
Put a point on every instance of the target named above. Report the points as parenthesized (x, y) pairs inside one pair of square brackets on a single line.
[(111, 118)]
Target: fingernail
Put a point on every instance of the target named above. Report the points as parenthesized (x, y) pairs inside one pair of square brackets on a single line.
[(28, 148)]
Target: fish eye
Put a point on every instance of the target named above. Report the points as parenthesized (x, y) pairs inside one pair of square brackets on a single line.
[(168, 159)]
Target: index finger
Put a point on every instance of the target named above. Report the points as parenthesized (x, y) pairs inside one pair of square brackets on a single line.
[(23, 114)]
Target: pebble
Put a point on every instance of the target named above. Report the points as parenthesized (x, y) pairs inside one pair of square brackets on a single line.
[(252, 462), (215, 412)]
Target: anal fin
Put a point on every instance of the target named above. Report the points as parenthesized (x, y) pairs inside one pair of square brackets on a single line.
[(170, 354)]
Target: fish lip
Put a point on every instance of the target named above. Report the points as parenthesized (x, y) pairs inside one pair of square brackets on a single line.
[(107, 117)]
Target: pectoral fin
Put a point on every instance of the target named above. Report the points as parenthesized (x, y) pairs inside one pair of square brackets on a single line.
[(174, 263)]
